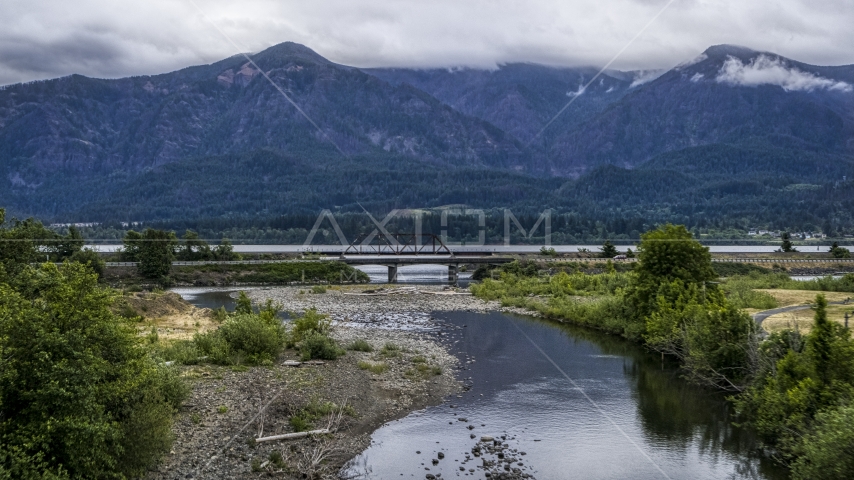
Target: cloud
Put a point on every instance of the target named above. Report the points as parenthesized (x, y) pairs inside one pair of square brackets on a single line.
[(109, 38), (697, 77), (576, 93), (764, 70), (693, 61), (645, 76)]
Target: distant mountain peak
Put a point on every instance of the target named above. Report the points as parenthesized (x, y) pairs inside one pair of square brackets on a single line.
[(289, 51), (725, 50)]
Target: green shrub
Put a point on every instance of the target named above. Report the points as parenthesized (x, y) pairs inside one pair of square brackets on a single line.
[(97, 405), (276, 459), (173, 389), (152, 336), (253, 338), (304, 419), (826, 452), (127, 311), (377, 368), (307, 323), (243, 304), (361, 345), (299, 423), (214, 346), (318, 289), (740, 292), (89, 257), (319, 346), (727, 269)]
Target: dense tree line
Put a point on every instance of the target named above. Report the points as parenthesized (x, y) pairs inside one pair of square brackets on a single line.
[(155, 250), (271, 193), (566, 228)]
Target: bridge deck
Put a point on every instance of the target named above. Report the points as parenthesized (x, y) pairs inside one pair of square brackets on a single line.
[(420, 260), (351, 260)]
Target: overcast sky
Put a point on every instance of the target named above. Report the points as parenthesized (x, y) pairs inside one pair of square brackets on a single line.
[(115, 38)]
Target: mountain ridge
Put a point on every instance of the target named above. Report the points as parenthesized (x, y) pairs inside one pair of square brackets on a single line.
[(730, 104)]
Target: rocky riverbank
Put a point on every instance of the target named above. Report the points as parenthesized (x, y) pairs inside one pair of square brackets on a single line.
[(405, 308), (406, 369)]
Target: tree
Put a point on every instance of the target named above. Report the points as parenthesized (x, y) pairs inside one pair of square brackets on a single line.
[(787, 246), (665, 255), (65, 247), (132, 246), (79, 396), (839, 252), (89, 257), (826, 452), (791, 404), (25, 241), (153, 249), (820, 341), (243, 305), (194, 248), (827, 229), (609, 250), (225, 251)]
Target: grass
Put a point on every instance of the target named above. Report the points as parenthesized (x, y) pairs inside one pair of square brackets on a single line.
[(803, 319), (376, 368), (361, 345), (276, 459), (786, 297), (279, 273), (304, 419), (390, 350), (422, 370), (300, 423), (222, 409)]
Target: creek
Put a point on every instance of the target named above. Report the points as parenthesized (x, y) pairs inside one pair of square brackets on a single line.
[(579, 403)]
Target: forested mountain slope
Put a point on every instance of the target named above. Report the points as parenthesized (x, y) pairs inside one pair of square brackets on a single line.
[(733, 133)]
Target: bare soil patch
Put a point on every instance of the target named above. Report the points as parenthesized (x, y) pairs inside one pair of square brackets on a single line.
[(172, 317)]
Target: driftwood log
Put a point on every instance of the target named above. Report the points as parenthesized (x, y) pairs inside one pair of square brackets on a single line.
[(292, 436)]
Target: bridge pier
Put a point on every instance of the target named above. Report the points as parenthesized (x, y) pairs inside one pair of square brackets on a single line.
[(392, 273), (452, 273)]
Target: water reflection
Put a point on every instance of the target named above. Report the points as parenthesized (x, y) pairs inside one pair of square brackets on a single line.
[(684, 430)]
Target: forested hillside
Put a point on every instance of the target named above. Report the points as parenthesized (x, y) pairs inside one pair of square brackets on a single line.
[(705, 143)]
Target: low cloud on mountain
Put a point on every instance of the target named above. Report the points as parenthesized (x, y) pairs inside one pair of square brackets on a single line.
[(764, 70), (106, 38)]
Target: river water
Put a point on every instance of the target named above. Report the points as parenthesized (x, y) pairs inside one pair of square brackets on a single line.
[(579, 403)]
